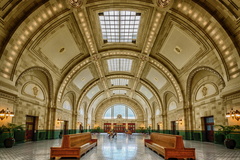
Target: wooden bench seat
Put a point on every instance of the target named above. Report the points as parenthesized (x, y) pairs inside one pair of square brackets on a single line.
[(74, 145), (169, 146)]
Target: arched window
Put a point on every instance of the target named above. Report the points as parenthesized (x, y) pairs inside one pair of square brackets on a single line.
[(67, 105), (119, 109)]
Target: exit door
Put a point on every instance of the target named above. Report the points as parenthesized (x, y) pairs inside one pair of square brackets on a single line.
[(209, 123), (65, 128), (173, 127), (30, 127)]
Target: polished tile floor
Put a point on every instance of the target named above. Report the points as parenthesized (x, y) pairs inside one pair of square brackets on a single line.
[(121, 147)]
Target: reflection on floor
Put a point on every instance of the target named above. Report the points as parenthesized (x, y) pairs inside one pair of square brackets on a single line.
[(121, 147)]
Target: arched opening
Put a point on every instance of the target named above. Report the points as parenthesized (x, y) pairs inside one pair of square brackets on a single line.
[(119, 111), (121, 118)]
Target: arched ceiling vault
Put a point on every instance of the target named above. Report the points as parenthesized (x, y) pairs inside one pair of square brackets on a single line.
[(106, 87), (73, 45)]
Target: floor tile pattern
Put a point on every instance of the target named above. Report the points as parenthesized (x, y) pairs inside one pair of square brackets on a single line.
[(122, 147)]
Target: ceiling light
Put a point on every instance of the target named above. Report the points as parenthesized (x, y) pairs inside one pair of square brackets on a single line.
[(227, 53), (49, 12), (204, 23), (5, 75), (179, 5), (44, 15), (10, 58), (13, 53), (31, 28), (39, 19), (60, 5), (55, 8)]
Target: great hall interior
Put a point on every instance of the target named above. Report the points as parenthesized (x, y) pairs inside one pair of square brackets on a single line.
[(167, 66)]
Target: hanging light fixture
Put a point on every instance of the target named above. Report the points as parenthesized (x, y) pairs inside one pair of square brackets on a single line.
[(179, 121), (60, 120), (234, 114), (5, 114)]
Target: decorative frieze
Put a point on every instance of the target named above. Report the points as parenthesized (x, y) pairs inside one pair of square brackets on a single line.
[(8, 96), (231, 97)]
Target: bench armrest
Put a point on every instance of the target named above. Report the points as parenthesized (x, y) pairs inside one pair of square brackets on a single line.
[(148, 141)]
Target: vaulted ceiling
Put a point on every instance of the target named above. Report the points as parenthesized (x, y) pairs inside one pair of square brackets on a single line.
[(171, 37)]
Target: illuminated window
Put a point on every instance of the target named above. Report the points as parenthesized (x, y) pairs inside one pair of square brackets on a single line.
[(119, 26), (125, 111), (119, 64)]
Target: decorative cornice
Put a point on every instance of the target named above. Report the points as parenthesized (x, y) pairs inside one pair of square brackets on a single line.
[(8, 96), (232, 96)]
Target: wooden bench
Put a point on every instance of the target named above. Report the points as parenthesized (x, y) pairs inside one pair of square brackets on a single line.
[(169, 146), (74, 145)]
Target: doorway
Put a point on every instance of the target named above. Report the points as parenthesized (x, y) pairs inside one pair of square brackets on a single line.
[(81, 128), (30, 127), (65, 127), (209, 128), (119, 127), (173, 127), (131, 127)]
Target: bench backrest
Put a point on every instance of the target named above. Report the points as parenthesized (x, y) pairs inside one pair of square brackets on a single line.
[(76, 140), (167, 140)]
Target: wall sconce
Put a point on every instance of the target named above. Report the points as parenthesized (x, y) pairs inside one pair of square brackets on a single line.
[(234, 114), (5, 114), (59, 120), (179, 121)]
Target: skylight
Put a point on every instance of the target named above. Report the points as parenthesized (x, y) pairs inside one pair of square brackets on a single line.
[(119, 91), (119, 82), (119, 26), (119, 64)]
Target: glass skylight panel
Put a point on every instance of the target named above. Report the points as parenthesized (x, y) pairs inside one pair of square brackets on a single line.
[(119, 91), (119, 64), (119, 82), (119, 26)]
